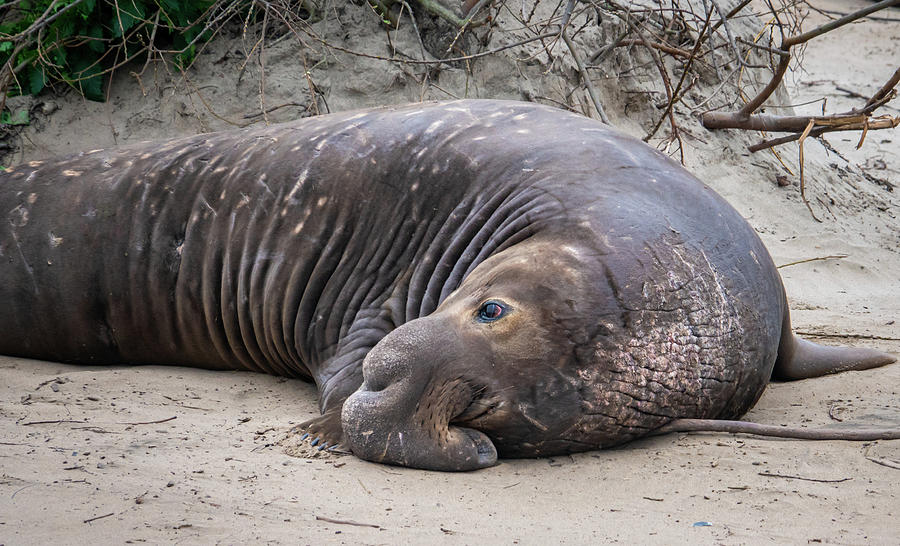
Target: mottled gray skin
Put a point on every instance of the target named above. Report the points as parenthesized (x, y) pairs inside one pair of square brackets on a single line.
[(357, 249)]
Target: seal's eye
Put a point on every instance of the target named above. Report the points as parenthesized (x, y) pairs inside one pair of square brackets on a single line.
[(491, 311)]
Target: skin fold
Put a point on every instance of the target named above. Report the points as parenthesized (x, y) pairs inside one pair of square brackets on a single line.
[(461, 280)]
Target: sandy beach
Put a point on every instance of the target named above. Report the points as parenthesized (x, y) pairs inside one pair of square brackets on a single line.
[(152, 454)]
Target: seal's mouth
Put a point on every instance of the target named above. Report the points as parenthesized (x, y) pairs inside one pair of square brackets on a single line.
[(417, 408), (379, 427)]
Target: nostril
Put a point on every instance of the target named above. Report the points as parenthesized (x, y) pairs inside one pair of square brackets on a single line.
[(376, 376), (383, 367)]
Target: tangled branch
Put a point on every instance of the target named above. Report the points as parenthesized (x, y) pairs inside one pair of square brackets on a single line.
[(804, 126)]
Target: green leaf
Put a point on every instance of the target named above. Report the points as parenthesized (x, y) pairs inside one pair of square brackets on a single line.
[(171, 6), (96, 31), (18, 118), (27, 56), (60, 55), (130, 12), (63, 27), (86, 8), (78, 39), (36, 79), (87, 79)]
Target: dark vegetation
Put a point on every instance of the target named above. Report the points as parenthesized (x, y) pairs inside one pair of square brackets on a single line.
[(688, 45), (79, 42)]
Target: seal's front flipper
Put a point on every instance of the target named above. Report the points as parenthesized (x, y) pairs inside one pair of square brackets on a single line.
[(802, 359), (325, 431)]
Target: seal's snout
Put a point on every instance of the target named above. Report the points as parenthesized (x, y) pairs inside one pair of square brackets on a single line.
[(401, 414)]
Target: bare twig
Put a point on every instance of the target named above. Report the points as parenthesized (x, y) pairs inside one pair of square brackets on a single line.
[(578, 62), (435, 61), (790, 477), (660, 67), (806, 126), (803, 198), (820, 258), (51, 422), (675, 96), (467, 22), (261, 59), (209, 108), (347, 522), (152, 422), (665, 48), (734, 11), (845, 336), (884, 462), (887, 90), (95, 518), (273, 108)]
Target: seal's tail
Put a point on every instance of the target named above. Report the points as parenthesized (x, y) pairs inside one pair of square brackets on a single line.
[(801, 359)]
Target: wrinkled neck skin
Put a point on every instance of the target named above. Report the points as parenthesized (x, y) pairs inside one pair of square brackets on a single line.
[(424, 210), (580, 361)]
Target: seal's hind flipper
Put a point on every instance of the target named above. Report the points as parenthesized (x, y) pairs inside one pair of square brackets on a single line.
[(802, 359)]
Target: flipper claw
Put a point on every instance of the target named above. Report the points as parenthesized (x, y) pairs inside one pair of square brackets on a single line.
[(323, 432)]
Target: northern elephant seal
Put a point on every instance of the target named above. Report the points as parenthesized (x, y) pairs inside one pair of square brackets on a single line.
[(458, 278)]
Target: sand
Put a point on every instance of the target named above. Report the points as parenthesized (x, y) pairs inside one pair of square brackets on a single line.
[(168, 454)]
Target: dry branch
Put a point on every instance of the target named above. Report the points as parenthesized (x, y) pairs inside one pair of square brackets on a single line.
[(665, 48), (684, 73), (579, 63), (856, 119)]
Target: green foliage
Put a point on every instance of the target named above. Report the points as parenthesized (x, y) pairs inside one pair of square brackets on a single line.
[(18, 118), (77, 42)]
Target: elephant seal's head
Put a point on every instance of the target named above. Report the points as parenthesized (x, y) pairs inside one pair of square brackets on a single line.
[(499, 366)]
